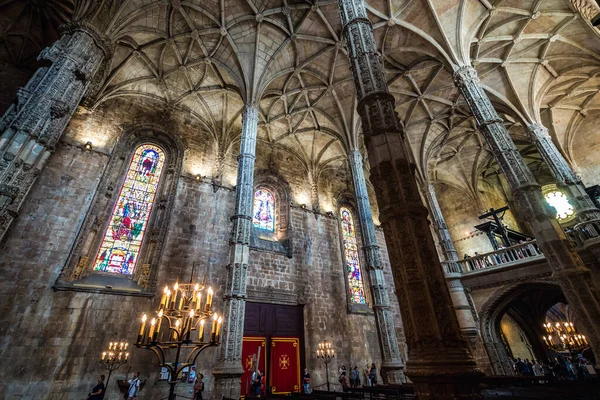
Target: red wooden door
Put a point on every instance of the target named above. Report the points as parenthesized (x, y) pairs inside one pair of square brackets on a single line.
[(284, 375)]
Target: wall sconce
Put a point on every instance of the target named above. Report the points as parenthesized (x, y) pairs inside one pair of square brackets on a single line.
[(329, 214), (198, 177), (303, 206), (88, 146)]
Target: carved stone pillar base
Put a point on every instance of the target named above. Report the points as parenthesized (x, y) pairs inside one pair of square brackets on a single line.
[(392, 373), (227, 380), (455, 376)]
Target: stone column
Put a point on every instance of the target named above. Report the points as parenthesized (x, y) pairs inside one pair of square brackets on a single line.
[(466, 317), (566, 179), (313, 180), (392, 365), (439, 362), (34, 123), (229, 365), (568, 269)]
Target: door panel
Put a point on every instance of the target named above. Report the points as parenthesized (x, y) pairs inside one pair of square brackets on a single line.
[(285, 365), (253, 345)]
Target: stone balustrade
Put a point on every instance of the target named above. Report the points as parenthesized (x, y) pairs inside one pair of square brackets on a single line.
[(518, 253), (584, 232)]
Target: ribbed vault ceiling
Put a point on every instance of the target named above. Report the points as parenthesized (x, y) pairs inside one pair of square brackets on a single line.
[(538, 59)]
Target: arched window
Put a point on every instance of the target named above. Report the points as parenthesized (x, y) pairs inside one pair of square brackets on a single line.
[(263, 211), (123, 238), (557, 199), (354, 272)]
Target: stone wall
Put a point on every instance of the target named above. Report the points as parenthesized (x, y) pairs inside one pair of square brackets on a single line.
[(51, 340), (461, 213)]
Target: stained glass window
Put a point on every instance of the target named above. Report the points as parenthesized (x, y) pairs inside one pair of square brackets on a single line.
[(559, 201), (355, 280), (264, 206), (120, 247)]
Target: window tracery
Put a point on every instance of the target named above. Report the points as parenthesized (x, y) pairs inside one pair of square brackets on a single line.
[(352, 261), (124, 234), (558, 199)]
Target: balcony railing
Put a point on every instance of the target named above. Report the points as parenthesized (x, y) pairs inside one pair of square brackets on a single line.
[(517, 253), (585, 231)]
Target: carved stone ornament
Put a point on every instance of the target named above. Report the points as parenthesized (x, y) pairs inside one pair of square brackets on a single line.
[(41, 109)]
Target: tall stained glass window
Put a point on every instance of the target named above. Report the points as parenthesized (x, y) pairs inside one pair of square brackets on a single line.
[(264, 206), (355, 279), (122, 241)]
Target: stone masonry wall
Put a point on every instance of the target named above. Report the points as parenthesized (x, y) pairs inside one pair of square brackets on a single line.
[(51, 340)]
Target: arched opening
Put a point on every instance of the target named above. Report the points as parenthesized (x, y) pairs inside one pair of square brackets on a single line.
[(512, 324)]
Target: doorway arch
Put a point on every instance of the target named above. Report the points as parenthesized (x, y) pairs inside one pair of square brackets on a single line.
[(527, 303)]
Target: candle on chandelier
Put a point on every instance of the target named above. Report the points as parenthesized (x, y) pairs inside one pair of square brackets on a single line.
[(103, 356), (209, 296), (213, 329), (201, 331), (181, 299), (194, 304), (163, 300), (152, 327), (142, 329), (158, 323), (219, 325), (190, 324), (177, 323), (198, 301), (175, 293)]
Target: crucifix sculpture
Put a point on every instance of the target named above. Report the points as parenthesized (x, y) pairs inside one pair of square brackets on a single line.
[(498, 220)]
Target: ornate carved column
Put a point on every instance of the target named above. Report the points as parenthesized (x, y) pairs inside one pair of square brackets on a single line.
[(313, 180), (467, 319), (392, 365), (36, 120), (566, 179), (229, 365), (569, 270), (439, 362)]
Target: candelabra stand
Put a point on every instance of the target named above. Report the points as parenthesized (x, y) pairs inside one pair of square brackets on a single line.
[(113, 358), (182, 312), (563, 336), (326, 353)]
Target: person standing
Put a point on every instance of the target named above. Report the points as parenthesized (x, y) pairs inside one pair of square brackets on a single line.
[(256, 378), (306, 381), (355, 377), (199, 387), (344, 381), (373, 375), (97, 392), (368, 374), (134, 386)]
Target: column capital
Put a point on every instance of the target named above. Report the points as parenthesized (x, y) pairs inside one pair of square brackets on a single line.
[(100, 38), (466, 75)]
